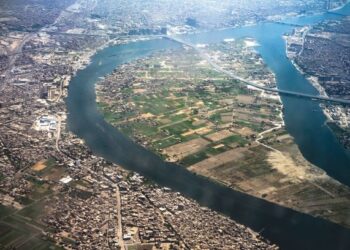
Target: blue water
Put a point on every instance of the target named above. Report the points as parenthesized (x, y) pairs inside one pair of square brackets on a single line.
[(304, 118), (287, 228)]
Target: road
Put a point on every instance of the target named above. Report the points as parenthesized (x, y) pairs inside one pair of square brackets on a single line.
[(247, 82), (261, 136), (58, 133), (15, 53), (120, 227), (303, 42)]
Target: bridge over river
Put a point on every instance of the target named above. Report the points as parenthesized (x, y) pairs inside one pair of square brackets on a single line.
[(247, 82)]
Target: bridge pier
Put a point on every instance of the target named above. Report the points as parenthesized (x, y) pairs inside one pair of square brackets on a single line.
[(247, 82)]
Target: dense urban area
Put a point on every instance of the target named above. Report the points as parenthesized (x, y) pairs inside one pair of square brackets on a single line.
[(323, 53), (56, 194)]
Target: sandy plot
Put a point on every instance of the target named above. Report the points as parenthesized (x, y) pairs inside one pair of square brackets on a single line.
[(139, 91), (226, 117), (245, 99), (190, 132), (219, 146), (15, 44), (147, 116), (226, 101), (181, 150), (9, 201), (183, 111), (199, 104), (208, 164), (245, 131), (259, 120), (258, 186), (199, 131), (287, 166), (242, 116), (173, 97), (164, 121), (203, 131), (284, 137), (198, 122), (218, 136), (39, 166)]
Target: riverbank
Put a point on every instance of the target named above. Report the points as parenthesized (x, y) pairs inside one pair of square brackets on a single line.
[(223, 142), (336, 115), (283, 226), (106, 141), (71, 198), (59, 190)]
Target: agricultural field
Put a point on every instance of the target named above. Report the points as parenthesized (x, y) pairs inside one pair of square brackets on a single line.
[(168, 104), (21, 226), (174, 104)]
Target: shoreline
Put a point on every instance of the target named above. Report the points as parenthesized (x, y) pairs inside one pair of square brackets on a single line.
[(115, 42), (313, 81), (315, 173)]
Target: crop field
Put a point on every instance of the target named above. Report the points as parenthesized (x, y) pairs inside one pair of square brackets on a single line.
[(22, 228), (178, 100), (177, 106), (17, 233)]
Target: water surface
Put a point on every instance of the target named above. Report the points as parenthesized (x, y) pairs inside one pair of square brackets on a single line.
[(304, 120)]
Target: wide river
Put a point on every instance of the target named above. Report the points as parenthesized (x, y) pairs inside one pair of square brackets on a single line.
[(304, 120)]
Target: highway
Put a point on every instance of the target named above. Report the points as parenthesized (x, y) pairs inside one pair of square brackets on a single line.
[(247, 82), (73, 34), (13, 57), (288, 24)]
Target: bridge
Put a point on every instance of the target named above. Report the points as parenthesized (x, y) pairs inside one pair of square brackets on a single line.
[(73, 34), (249, 83), (288, 24)]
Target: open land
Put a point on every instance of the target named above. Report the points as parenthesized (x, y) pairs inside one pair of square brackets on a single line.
[(54, 192), (176, 105)]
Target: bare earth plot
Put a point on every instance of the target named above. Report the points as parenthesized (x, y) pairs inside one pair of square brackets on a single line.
[(219, 128)]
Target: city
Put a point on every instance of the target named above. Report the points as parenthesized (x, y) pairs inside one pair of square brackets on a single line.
[(59, 192)]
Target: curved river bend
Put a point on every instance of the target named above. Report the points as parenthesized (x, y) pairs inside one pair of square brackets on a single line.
[(304, 120)]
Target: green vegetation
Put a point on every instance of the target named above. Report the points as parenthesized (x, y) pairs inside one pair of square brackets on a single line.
[(194, 158), (9, 236), (38, 190), (192, 102), (38, 244), (49, 163), (5, 211), (33, 211), (24, 200), (166, 142), (22, 235), (22, 229), (211, 151), (234, 139)]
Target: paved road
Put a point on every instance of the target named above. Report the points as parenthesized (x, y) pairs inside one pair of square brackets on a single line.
[(261, 136), (247, 82), (303, 42), (13, 57), (74, 34), (119, 225), (58, 133)]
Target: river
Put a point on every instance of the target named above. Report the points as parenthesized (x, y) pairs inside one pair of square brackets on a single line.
[(304, 120)]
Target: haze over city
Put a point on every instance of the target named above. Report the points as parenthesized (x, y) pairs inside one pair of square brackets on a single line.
[(158, 124)]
